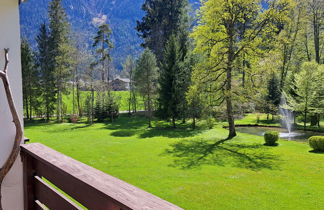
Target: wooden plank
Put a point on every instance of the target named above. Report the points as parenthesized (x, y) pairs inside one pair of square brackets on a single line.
[(51, 197), (92, 188), (28, 181), (84, 193)]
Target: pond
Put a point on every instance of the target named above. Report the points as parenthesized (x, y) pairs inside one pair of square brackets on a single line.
[(297, 135)]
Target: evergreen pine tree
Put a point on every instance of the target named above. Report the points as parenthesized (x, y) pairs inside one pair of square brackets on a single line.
[(274, 95), (30, 80), (103, 46), (47, 77), (162, 19), (169, 97), (60, 51)]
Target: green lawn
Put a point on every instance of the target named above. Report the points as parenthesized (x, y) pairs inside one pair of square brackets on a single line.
[(189, 169), (253, 119), (120, 96)]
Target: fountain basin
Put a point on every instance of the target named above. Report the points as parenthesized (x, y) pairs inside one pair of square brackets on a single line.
[(297, 135)]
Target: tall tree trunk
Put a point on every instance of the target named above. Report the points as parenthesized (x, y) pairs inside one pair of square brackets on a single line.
[(174, 122), (316, 26), (193, 123), (305, 119), (47, 110), (228, 94), (31, 108), (78, 99), (92, 103), (305, 113), (26, 107), (73, 98)]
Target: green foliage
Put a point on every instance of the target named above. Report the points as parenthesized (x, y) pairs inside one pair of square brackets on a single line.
[(129, 72), (274, 93), (106, 107), (317, 143), (103, 46), (60, 51), (228, 31), (195, 104), (271, 137), (31, 83), (146, 80), (170, 80), (308, 90), (162, 19), (47, 75)]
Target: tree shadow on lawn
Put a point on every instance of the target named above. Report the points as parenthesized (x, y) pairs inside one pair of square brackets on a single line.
[(123, 133), (170, 132), (316, 152), (192, 154), (126, 123)]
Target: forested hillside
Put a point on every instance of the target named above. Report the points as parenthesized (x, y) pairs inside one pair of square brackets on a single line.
[(83, 14)]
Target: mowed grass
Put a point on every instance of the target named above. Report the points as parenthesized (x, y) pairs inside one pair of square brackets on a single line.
[(121, 97), (252, 118), (189, 169)]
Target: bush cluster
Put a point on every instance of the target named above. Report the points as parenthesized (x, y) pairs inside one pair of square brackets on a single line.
[(317, 143), (271, 138)]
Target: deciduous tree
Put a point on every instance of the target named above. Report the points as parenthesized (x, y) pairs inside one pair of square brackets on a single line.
[(220, 39)]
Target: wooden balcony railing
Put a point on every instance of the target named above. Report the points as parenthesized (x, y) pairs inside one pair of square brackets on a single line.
[(86, 185)]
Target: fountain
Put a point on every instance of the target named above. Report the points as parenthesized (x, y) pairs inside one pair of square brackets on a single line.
[(286, 132), (287, 118)]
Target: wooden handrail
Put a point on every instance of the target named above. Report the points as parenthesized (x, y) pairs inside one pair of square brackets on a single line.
[(90, 187)]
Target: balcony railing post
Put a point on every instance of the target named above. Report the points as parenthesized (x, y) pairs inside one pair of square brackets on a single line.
[(28, 181)]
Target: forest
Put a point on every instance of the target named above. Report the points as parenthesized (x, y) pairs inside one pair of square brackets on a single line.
[(232, 58)]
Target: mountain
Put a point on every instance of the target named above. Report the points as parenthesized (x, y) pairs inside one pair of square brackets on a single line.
[(85, 14)]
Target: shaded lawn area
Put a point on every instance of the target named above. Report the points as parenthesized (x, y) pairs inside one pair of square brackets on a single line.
[(189, 168)]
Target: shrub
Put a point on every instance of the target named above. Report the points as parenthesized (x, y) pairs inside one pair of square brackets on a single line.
[(271, 137), (210, 122), (73, 118), (317, 143)]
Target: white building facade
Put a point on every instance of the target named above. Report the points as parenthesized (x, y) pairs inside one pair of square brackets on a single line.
[(12, 188)]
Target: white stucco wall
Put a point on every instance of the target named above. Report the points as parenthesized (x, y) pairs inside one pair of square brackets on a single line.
[(10, 38)]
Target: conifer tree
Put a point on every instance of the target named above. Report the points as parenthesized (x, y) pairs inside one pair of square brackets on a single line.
[(162, 19), (60, 51), (103, 46), (170, 94), (274, 95), (47, 76), (30, 80)]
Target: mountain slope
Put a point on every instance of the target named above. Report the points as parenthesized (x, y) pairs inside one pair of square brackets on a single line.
[(83, 14)]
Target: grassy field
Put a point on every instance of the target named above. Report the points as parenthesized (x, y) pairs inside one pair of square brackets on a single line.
[(189, 169), (120, 96)]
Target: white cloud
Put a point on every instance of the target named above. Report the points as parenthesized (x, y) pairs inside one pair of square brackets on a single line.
[(101, 19)]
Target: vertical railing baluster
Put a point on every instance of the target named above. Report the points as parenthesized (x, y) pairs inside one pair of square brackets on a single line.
[(28, 181)]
